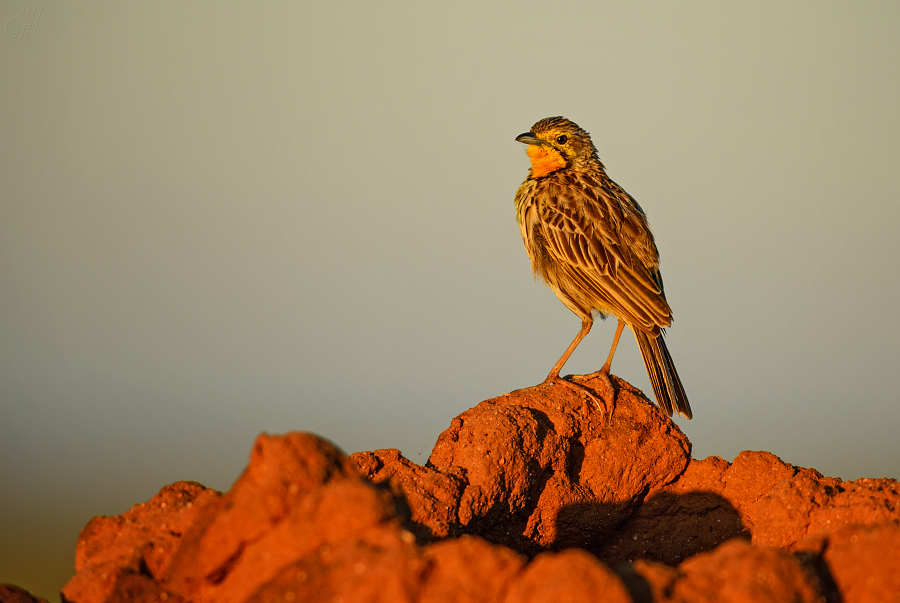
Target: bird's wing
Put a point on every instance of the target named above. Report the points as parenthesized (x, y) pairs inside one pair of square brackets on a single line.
[(589, 230)]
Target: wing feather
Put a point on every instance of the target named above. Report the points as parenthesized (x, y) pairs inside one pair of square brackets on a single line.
[(583, 226)]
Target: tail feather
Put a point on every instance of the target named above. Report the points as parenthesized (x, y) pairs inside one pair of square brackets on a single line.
[(666, 385)]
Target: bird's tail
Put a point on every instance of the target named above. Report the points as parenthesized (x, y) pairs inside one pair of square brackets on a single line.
[(666, 385)]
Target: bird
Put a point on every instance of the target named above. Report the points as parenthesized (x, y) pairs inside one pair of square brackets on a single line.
[(590, 242)]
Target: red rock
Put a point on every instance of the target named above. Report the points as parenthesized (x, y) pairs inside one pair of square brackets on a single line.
[(14, 594), (686, 517), (141, 541), (648, 581), (710, 503), (433, 497), (807, 506), (545, 470), (469, 570), (571, 576), (384, 568), (462, 570), (752, 476), (538, 470), (736, 572), (138, 588), (298, 494), (862, 561), (670, 528)]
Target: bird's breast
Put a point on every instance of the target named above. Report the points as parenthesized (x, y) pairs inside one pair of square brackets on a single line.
[(544, 160)]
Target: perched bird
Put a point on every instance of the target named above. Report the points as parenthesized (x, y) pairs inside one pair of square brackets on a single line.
[(590, 242)]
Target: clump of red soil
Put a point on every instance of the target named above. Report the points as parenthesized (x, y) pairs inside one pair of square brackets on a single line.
[(14, 594), (529, 497)]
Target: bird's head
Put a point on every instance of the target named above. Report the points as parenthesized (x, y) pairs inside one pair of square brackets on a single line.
[(555, 143)]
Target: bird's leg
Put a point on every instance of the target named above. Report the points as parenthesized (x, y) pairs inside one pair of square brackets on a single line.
[(603, 373), (586, 324), (612, 352), (553, 377)]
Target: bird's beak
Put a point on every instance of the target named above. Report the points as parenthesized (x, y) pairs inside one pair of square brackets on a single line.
[(530, 138)]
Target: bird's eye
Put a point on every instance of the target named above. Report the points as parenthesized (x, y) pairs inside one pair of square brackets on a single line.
[(562, 139)]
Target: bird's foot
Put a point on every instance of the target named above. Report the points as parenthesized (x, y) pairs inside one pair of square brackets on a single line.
[(605, 388), (601, 401), (588, 376)]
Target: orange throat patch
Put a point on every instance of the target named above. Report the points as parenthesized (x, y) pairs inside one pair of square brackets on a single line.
[(544, 160)]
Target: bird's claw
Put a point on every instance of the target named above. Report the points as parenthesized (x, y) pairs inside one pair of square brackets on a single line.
[(603, 406), (607, 393)]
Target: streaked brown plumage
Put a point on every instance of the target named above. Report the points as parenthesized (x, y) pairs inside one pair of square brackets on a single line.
[(590, 242)]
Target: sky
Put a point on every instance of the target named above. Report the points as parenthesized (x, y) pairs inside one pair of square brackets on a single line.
[(218, 220)]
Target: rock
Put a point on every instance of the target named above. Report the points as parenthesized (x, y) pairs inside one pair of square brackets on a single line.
[(469, 570), (736, 572), (462, 570), (570, 576), (711, 502), (298, 495), (14, 594), (532, 496), (687, 517), (140, 542), (860, 563), (807, 506), (138, 588), (647, 581), (384, 567), (752, 475), (432, 497), (545, 470)]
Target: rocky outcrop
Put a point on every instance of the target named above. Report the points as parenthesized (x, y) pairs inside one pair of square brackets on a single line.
[(13, 594), (538, 469), (116, 551), (531, 496)]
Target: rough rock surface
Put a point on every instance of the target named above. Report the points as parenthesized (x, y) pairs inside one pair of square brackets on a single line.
[(137, 545), (531, 496), (538, 469), (14, 594), (858, 562), (711, 502), (804, 507), (736, 572)]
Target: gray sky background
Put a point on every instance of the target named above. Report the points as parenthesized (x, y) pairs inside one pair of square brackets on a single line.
[(218, 219)]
